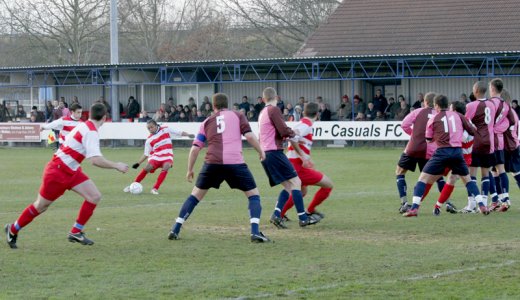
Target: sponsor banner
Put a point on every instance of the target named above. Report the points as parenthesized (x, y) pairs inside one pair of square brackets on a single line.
[(351, 131), (19, 132)]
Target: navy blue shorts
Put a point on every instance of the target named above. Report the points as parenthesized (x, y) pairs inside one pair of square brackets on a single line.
[(482, 160), (237, 177), (278, 167), (499, 157), (447, 158), (512, 159), (410, 163)]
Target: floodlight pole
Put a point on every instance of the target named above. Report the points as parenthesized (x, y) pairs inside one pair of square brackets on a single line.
[(114, 61)]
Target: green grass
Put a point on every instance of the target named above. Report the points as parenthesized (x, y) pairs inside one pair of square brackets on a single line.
[(362, 249)]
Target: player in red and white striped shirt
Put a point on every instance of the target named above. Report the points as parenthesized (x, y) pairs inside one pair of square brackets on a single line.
[(158, 149), (64, 173), (308, 175), (65, 124)]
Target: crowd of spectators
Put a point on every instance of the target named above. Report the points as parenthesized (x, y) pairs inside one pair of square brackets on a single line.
[(379, 108)]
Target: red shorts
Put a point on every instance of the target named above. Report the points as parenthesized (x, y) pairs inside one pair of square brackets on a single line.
[(156, 164), (307, 176), (58, 178)]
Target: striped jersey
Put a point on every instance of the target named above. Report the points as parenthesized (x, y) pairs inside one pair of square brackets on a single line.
[(83, 142), (158, 145), (223, 132), (304, 128), (64, 125)]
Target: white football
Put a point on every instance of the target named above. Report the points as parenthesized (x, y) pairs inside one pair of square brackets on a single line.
[(136, 188)]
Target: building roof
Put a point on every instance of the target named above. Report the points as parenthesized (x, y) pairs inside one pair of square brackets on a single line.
[(415, 27)]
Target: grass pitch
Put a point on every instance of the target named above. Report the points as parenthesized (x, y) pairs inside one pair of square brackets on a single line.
[(362, 249)]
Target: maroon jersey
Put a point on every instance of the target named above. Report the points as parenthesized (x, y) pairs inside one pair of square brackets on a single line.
[(414, 124), (510, 135), (482, 114), (447, 129)]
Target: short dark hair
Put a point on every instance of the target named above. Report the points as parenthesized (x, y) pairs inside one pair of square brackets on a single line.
[(220, 100), (311, 110), (498, 84), (97, 111), (152, 121), (75, 106), (441, 101), (459, 107)]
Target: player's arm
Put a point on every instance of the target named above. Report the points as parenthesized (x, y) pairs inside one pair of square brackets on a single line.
[(429, 130), (194, 153), (279, 124), (101, 162), (306, 159), (407, 123), (190, 135), (253, 141), (140, 161), (469, 127), (56, 125)]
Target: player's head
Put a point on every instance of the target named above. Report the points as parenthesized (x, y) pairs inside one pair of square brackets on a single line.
[(496, 85), (269, 94), (506, 95), (459, 107), (428, 99), (152, 126), (479, 89), (220, 101), (76, 110), (311, 110), (441, 102), (98, 111)]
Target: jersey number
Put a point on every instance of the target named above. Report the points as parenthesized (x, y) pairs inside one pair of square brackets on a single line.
[(445, 123), (221, 125), (487, 115)]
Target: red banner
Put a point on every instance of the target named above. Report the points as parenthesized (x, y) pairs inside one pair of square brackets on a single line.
[(19, 132)]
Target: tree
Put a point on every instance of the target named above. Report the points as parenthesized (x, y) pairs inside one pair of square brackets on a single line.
[(283, 24), (67, 30)]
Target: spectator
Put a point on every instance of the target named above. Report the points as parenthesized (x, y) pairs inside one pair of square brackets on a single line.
[(360, 116), (75, 100), (65, 112), (107, 105), (370, 113), (380, 116), (191, 103), (200, 116), (279, 103), (206, 111), (39, 116), (286, 116), (472, 97), (418, 103), (404, 109), (170, 105), (193, 114), (183, 117), (245, 104), (48, 111), (297, 114), (236, 107), (359, 107), (20, 112), (259, 106), (251, 116), (515, 107), (56, 111), (144, 117), (133, 108), (464, 98), (290, 108), (206, 101), (380, 102), (344, 111), (392, 108), (301, 102), (326, 114), (160, 116)]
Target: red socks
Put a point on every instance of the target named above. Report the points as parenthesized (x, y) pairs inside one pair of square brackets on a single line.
[(160, 179), (426, 191), (320, 196), (85, 212), (141, 176), (445, 193), (28, 214), (288, 205)]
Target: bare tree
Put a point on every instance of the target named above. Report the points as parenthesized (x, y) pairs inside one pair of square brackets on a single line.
[(66, 30), (283, 24)]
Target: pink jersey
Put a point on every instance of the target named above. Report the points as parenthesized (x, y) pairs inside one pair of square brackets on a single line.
[(304, 127), (511, 135), (158, 146), (414, 124), (501, 122), (446, 129), (223, 133), (272, 128), (83, 142), (64, 125), (482, 113)]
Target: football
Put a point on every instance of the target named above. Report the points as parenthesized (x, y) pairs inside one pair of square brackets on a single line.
[(136, 188)]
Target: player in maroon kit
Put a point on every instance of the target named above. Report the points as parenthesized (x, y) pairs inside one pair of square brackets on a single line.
[(222, 132)]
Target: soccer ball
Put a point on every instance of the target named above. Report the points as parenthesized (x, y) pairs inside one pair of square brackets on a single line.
[(136, 188)]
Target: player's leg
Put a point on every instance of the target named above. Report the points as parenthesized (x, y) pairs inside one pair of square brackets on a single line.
[(140, 177), (255, 212), (494, 189), (186, 210), (160, 179), (321, 195), (89, 191), (472, 188), (290, 203)]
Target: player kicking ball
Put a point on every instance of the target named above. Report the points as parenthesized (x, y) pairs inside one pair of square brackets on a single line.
[(158, 149)]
